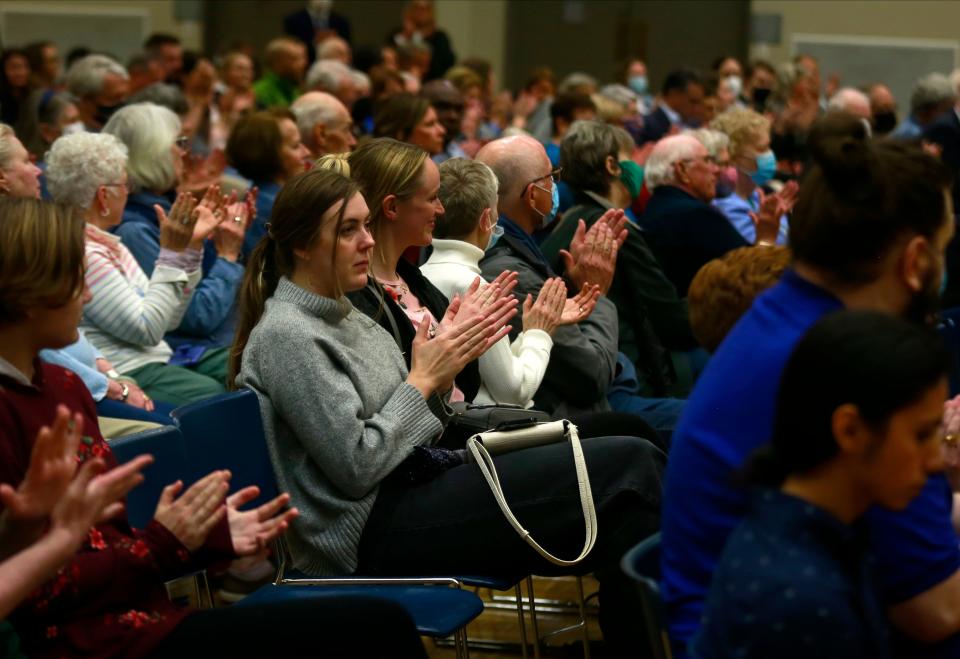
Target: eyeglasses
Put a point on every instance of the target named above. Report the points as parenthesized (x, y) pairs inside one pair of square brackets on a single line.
[(555, 175), (124, 186), (709, 160), (182, 142)]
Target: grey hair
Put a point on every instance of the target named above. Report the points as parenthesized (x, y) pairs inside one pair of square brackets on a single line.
[(326, 75), (467, 188), (315, 108), (79, 164), (842, 100), (149, 132), (85, 77), (6, 144), (163, 94), (931, 90), (715, 141), (575, 80), (361, 81), (584, 151), (669, 151), (620, 94)]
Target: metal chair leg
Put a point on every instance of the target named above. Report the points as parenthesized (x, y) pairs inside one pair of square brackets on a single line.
[(583, 619), (522, 620), (533, 618)]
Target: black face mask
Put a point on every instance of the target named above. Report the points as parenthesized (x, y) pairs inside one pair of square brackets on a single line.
[(760, 96), (104, 112), (884, 122)]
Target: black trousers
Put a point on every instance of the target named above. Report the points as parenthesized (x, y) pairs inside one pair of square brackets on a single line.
[(351, 627), (452, 524)]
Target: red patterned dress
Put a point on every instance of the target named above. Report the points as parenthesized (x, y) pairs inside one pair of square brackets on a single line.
[(109, 600)]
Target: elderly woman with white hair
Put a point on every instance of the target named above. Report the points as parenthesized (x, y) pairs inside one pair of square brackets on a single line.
[(155, 167), (129, 311), (19, 177), (752, 165)]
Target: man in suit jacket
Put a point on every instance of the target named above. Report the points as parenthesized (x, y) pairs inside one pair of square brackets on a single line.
[(681, 105), (679, 223), (314, 23)]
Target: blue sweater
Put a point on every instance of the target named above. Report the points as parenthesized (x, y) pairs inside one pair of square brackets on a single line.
[(210, 318), (729, 414)]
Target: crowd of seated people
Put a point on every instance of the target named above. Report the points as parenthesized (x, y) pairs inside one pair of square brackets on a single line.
[(727, 283)]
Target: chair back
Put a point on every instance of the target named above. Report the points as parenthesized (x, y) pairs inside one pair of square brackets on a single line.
[(642, 564), (226, 432), (169, 465)]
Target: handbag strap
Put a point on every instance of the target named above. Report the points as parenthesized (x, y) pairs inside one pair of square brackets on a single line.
[(386, 310), (485, 462)]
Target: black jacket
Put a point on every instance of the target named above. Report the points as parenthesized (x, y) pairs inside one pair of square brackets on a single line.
[(685, 233), (368, 301)]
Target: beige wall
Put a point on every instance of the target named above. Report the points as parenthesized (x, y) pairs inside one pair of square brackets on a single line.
[(914, 19), (477, 28), (160, 14)]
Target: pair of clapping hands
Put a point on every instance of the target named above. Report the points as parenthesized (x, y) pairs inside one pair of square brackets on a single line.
[(216, 215), (58, 497)]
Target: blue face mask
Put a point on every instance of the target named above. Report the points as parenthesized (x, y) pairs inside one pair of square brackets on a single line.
[(494, 236), (638, 84), (549, 217), (766, 168)]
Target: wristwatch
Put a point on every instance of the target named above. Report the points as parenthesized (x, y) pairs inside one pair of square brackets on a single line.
[(112, 374), (124, 391)]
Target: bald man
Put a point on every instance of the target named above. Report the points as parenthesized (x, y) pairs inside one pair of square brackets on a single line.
[(286, 61), (584, 359), (325, 124)]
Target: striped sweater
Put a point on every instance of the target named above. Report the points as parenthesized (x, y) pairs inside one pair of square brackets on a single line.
[(129, 313)]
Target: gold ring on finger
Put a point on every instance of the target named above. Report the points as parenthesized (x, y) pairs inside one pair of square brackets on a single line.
[(951, 438), (238, 219)]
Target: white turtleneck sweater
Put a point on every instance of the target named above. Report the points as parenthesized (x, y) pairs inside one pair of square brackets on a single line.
[(510, 373)]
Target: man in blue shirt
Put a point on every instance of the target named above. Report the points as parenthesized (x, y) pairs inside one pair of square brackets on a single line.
[(871, 236)]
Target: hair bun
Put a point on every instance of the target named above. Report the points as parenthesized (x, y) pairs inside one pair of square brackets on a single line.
[(840, 144)]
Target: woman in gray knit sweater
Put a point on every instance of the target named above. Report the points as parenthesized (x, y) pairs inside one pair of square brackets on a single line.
[(349, 427)]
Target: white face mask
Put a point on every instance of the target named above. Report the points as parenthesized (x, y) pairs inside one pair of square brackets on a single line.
[(735, 84), (74, 128)]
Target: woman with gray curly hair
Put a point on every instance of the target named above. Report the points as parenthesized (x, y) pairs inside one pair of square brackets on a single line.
[(130, 312), (155, 168)]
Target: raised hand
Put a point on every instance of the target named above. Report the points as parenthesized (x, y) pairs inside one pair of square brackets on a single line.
[(193, 515), (436, 361), (767, 219), (595, 260), (544, 314), (53, 464), (95, 496), (580, 306), (229, 235), (788, 197), (177, 228), (253, 530)]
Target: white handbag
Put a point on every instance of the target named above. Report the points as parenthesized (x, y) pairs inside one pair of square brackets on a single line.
[(496, 442)]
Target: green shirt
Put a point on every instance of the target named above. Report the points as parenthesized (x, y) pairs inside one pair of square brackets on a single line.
[(273, 91)]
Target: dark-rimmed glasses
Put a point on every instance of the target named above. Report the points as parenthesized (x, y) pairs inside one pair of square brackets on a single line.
[(555, 175)]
